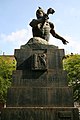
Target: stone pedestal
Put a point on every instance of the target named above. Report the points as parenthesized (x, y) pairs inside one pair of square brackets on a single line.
[(39, 88)]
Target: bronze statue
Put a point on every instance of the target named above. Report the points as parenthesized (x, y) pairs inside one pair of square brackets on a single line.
[(42, 28)]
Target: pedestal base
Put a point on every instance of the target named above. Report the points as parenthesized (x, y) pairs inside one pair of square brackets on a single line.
[(40, 113)]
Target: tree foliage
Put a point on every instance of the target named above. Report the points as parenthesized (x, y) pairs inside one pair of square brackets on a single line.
[(7, 65), (72, 65)]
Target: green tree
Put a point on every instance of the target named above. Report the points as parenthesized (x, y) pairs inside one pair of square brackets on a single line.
[(7, 65), (72, 65)]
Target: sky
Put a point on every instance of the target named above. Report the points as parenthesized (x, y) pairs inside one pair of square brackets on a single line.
[(15, 16)]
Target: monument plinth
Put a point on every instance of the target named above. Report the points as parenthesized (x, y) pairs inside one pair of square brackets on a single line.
[(39, 88)]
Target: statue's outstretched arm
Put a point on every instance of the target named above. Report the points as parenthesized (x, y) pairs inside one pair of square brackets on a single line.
[(42, 20), (54, 34), (35, 22)]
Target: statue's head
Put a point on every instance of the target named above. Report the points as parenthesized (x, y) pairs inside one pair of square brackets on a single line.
[(39, 13)]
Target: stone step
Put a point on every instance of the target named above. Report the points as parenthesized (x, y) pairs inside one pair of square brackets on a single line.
[(40, 96), (39, 113), (40, 78)]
